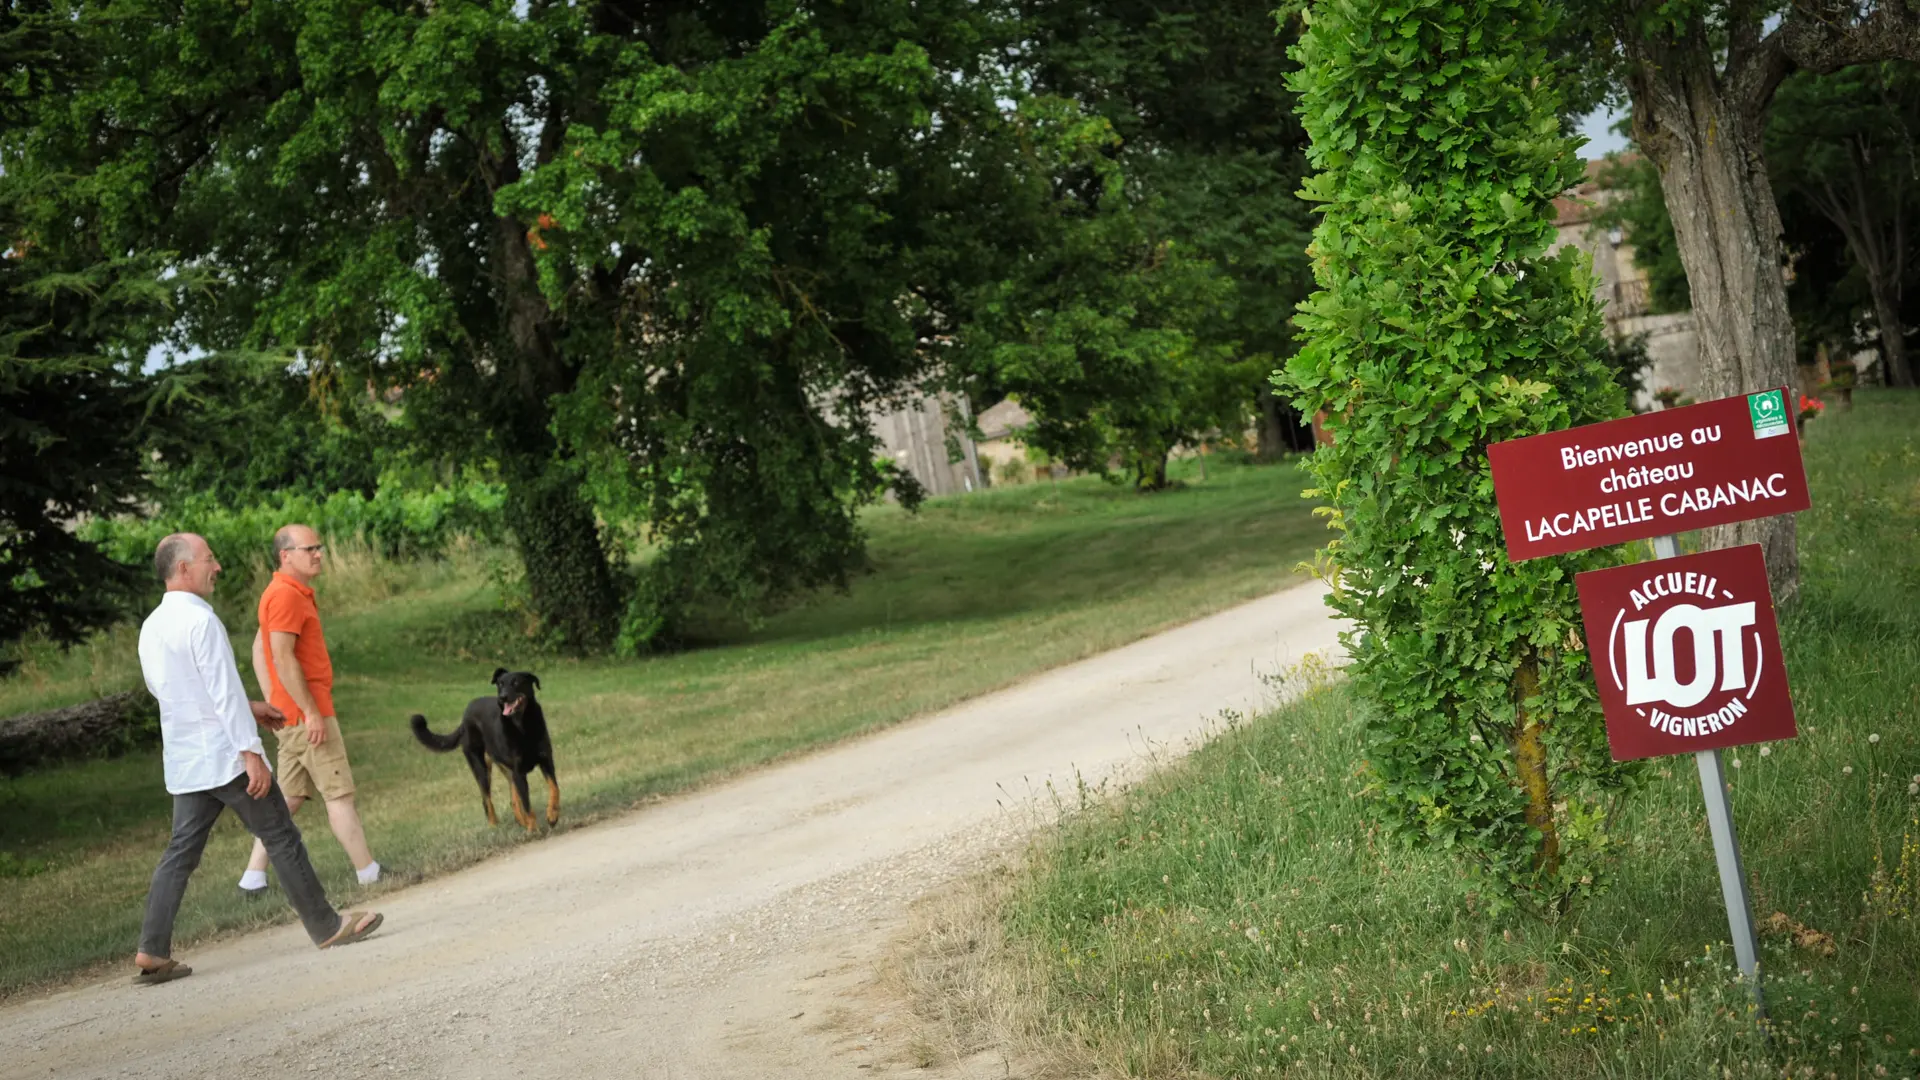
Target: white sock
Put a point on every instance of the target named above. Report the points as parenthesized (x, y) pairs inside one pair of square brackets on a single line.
[(253, 879), (369, 873)]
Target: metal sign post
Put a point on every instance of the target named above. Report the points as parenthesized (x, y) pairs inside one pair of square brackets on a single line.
[(1726, 846)]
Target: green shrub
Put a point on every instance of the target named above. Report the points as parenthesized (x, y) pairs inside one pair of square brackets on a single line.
[(397, 521), (1441, 326)]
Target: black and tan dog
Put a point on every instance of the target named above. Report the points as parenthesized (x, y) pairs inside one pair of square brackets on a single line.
[(508, 730)]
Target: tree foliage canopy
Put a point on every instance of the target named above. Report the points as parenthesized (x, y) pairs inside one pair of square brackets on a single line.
[(1846, 147), (75, 412), (262, 427), (1164, 269), (657, 265), (656, 261)]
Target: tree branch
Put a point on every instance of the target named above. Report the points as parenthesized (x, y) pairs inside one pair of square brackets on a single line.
[(1823, 36), (553, 129), (1743, 36), (1870, 249)]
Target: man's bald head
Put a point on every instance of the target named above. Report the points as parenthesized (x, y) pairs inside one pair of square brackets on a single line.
[(297, 550), (183, 561), (172, 551)]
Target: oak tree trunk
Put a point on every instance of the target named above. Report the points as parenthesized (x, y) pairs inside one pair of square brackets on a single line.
[(1272, 435), (1150, 471), (1893, 341), (1728, 231), (1874, 222), (570, 583), (571, 586)]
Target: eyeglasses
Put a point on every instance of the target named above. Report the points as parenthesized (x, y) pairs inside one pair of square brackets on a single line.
[(315, 548)]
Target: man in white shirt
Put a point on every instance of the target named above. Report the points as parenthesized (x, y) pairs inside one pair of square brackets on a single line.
[(215, 761)]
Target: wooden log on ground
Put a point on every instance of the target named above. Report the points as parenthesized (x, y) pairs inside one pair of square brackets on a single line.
[(100, 728)]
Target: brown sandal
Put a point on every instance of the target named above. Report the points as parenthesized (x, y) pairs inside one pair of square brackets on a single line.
[(348, 935), (164, 971)]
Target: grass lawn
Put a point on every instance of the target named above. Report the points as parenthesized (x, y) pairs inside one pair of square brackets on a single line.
[(969, 595), (1243, 916)]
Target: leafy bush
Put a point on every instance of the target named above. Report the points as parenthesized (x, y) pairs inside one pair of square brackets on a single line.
[(1441, 326), (395, 521)]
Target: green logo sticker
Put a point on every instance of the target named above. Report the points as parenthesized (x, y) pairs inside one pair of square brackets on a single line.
[(1769, 413)]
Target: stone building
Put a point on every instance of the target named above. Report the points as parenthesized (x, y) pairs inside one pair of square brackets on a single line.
[(1621, 287), (926, 434)]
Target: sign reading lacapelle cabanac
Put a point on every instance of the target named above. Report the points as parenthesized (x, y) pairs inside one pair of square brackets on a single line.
[(1686, 653), (1734, 459)]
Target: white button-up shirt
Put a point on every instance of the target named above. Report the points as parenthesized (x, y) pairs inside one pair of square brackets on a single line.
[(205, 721)]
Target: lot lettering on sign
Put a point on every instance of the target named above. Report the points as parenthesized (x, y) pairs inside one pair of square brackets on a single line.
[(1658, 473), (1686, 653)]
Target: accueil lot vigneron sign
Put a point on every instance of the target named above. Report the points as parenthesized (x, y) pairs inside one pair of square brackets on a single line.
[(1685, 649)]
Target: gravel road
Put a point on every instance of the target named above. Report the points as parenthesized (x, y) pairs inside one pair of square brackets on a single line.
[(729, 933)]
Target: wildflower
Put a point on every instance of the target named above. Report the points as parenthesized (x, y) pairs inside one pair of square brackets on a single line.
[(1913, 789), (1736, 763), (1846, 770), (1766, 751), (1873, 738)]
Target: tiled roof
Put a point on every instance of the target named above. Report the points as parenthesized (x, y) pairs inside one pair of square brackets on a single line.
[(1003, 419), (1578, 205)]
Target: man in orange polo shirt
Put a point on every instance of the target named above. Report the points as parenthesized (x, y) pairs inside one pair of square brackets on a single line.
[(290, 660)]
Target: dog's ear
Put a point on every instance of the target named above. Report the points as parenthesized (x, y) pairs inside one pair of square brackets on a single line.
[(497, 672), (535, 678)]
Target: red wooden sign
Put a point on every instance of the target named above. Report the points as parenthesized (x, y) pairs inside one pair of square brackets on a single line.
[(1686, 653), (1671, 471)]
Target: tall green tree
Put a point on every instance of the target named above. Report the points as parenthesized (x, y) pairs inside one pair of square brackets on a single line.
[(74, 408), (1848, 145), (73, 412), (1098, 334), (1700, 76), (1441, 326), (655, 260), (1206, 132)]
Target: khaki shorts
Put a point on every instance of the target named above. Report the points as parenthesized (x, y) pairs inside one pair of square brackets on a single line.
[(308, 771)]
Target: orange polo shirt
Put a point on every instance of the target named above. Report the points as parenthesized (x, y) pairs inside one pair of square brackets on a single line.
[(287, 606)]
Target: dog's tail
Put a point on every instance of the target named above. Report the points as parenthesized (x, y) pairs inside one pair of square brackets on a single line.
[(437, 743)]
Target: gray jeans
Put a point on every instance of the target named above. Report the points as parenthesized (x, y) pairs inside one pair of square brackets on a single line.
[(267, 818)]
